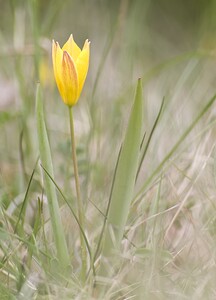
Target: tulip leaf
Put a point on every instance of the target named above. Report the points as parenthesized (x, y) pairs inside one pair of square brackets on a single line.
[(125, 176), (46, 161)]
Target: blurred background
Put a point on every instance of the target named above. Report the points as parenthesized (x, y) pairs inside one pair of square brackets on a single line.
[(171, 45)]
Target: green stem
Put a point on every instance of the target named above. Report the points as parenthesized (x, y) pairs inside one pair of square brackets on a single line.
[(79, 201)]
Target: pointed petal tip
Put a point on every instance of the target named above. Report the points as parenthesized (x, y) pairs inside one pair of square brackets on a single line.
[(71, 37), (86, 44), (55, 43)]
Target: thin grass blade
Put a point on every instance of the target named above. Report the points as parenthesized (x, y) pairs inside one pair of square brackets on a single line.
[(174, 148), (144, 148), (21, 216)]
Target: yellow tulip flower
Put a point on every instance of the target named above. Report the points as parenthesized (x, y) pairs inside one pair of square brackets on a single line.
[(70, 65)]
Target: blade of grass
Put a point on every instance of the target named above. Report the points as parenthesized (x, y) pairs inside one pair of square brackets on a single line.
[(175, 147), (21, 216), (107, 210), (24, 178), (46, 160), (74, 215), (173, 61), (123, 186), (34, 10), (153, 211), (106, 50), (36, 228), (145, 148), (214, 155), (25, 241)]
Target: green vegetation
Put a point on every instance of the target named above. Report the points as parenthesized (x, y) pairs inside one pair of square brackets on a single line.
[(145, 144)]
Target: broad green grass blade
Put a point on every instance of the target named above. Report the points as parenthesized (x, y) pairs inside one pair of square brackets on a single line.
[(46, 160), (124, 181)]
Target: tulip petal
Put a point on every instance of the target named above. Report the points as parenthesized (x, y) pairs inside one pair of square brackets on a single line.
[(82, 65), (57, 56), (70, 80), (70, 66), (54, 49), (71, 47)]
